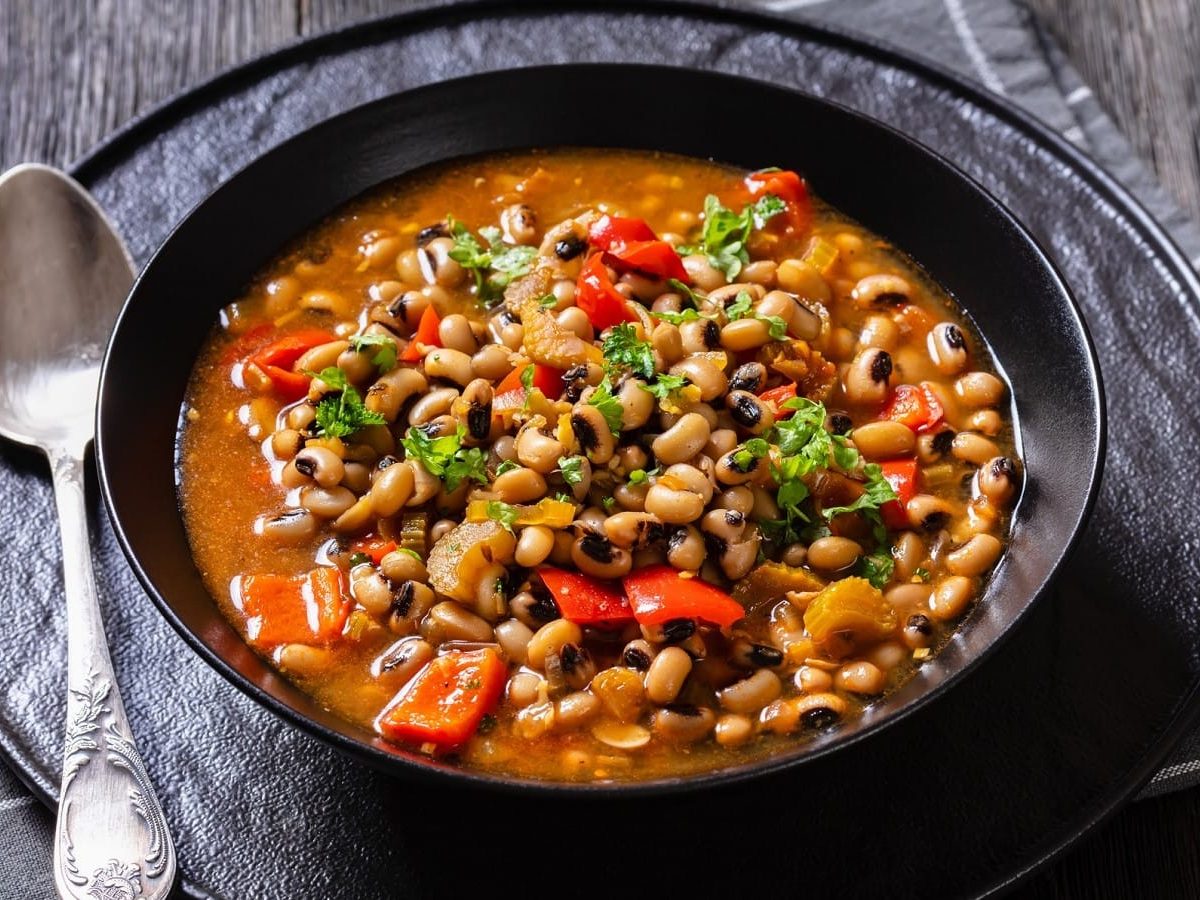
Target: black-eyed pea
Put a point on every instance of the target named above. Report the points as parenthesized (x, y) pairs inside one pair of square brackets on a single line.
[(514, 636), (910, 597), (985, 421), (321, 357), (794, 554), (436, 265), (403, 565), (286, 443), (538, 451), (908, 551), (519, 223), (933, 447), (860, 677), (524, 689), (703, 273), (319, 464), (976, 556), (576, 321), (947, 347), (761, 272), (551, 638), (887, 655), (699, 336), (435, 403), (393, 389), (751, 694), (745, 334), (576, 710), (667, 342), (928, 513), (592, 432), (305, 660), (812, 680), (455, 333), (595, 555), (674, 506), (682, 723), (733, 730), (666, 675), (842, 344), (683, 440), (950, 598), (392, 489), (884, 440), (998, 480), (326, 503), (522, 485), (749, 412), (798, 277), (447, 621), (370, 589), (881, 290), (402, 660), (356, 518), (294, 526), (492, 361), (686, 549), (739, 499), (450, 365), (880, 332), (979, 389), (534, 546), (917, 632), (637, 404), (704, 374), (564, 543), (833, 553), (866, 380), (973, 448)]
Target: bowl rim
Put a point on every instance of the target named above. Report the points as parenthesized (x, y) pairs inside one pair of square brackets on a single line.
[(405, 764)]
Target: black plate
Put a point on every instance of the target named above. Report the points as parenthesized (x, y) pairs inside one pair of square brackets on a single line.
[(970, 245), (1078, 708)]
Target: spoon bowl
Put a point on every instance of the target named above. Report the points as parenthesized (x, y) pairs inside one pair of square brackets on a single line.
[(65, 274)]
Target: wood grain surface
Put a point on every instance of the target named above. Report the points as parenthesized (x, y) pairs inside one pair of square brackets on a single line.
[(75, 70)]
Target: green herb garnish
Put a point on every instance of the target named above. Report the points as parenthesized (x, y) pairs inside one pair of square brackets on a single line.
[(571, 468), (923, 573), (385, 357), (358, 559), (342, 413), (411, 552), (504, 513), (876, 568), (548, 301), (445, 457), (506, 465), (725, 233), (610, 406), (664, 384), (493, 267), (622, 348), (741, 308), (745, 455)]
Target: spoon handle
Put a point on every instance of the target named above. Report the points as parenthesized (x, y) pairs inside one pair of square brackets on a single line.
[(111, 839)]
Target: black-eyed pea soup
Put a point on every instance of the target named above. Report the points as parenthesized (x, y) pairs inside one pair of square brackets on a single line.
[(595, 465)]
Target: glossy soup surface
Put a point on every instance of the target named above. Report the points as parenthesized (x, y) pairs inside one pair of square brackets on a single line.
[(637, 448)]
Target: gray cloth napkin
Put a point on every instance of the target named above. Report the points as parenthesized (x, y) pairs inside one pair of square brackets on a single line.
[(995, 42)]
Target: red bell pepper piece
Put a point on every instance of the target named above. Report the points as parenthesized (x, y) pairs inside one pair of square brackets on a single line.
[(788, 187), (778, 396), (374, 546), (511, 390), (609, 231), (915, 406), (584, 600), (654, 259), (444, 703), (294, 609), (277, 358), (596, 296), (427, 334), (901, 474), (661, 593)]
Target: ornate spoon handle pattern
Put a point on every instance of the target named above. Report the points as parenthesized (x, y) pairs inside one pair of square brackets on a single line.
[(111, 839)]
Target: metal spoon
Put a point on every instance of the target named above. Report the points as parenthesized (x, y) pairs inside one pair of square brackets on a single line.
[(63, 276)]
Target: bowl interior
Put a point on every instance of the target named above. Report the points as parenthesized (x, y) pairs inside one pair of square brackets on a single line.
[(962, 237)]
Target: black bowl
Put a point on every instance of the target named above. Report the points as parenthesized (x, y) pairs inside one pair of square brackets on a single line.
[(961, 235)]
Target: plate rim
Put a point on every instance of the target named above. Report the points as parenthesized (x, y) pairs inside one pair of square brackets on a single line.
[(1115, 194)]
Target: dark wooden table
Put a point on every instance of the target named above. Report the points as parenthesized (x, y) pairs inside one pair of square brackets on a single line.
[(75, 70)]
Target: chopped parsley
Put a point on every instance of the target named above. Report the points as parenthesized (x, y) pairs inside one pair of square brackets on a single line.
[(622, 348), (571, 468), (548, 301), (506, 466), (725, 233), (493, 266), (385, 355), (445, 457), (342, 413), (358, 559), (564, 497), (504, 513), (527, 380), (410, 551), (608, 503), (610, 407), (641, 476), (664, 385), (755, 448), (922, 573), (876, 568)]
